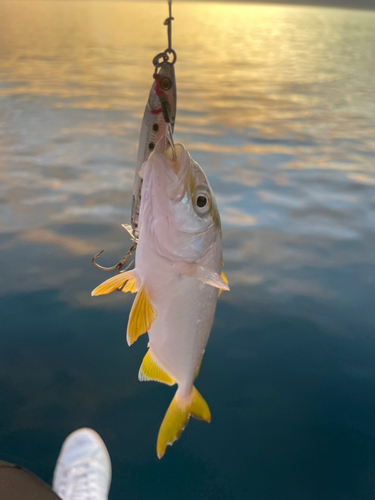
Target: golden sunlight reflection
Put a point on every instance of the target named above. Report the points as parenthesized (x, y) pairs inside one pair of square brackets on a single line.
[(236, 217), (267, 104), (74, 245)]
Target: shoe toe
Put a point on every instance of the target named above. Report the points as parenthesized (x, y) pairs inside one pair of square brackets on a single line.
[(83, 452), (84, 443)]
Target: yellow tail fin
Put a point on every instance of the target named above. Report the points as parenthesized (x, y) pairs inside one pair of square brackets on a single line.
[(177, 417)]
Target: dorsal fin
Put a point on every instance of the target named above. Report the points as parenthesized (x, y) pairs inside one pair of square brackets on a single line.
[(150, 370), (142, 314)]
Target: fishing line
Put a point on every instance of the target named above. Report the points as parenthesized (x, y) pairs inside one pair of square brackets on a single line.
[(168, 22), (165, 56)]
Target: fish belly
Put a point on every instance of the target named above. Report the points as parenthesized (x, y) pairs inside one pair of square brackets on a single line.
[(179, 334)]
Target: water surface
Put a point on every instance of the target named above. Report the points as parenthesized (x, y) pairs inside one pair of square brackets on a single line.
[(276, 104)]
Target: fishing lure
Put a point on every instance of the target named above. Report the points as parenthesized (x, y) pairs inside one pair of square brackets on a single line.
[(156, 131), (160, 114)]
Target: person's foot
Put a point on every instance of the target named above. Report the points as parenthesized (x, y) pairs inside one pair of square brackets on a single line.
[(83, 470)]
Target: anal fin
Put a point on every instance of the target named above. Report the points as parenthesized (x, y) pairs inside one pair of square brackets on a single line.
[(150, 370), (142, 314)]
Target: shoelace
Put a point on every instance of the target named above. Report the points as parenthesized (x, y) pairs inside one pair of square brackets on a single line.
[(78, 484)]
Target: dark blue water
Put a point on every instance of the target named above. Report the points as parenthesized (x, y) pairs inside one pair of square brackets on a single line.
[(276, 104)]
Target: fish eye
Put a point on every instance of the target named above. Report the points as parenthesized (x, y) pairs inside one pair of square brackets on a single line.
[(165, 83), (202, 202)]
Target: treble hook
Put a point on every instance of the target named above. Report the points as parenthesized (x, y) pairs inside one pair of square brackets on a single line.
[(119, 265)]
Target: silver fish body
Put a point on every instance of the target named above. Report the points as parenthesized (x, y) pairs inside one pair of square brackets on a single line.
[(177, 277), (176, 239)]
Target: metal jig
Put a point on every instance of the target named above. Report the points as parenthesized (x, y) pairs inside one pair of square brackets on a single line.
[(157, 62)]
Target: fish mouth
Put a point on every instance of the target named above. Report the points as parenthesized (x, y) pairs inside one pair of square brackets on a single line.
[(179, 162), (178, 159)]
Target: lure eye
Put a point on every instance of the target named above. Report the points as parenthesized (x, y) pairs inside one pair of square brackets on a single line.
[(165, 83)]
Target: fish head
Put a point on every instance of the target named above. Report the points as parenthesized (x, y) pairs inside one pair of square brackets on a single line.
[(185, 217)]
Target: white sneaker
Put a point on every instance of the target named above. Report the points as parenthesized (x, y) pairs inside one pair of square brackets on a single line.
[(83, 470)]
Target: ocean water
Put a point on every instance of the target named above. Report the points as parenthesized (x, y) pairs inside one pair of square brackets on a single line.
[(277, 105)]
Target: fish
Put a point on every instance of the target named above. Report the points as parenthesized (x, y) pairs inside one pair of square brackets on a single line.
[(159, 112), (178, 277)]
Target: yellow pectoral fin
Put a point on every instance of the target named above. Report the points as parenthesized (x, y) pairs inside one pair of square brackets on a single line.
[(225, 279), (150, 370), (202, 273), (126, 279), (142, 314), (177, 417)]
